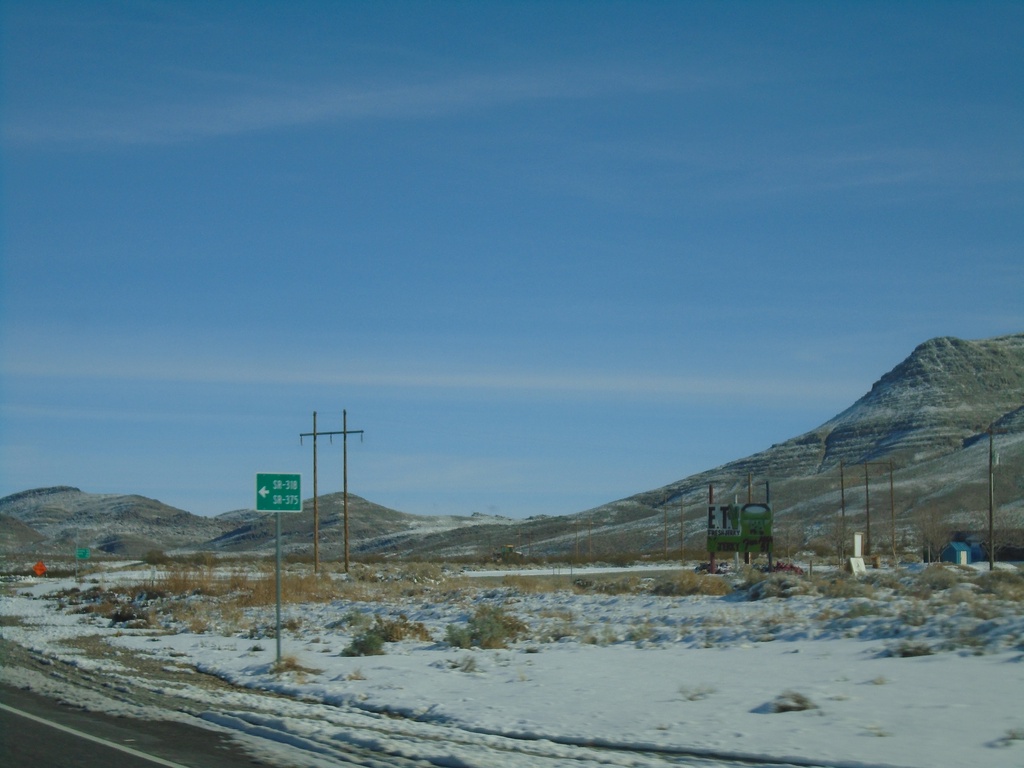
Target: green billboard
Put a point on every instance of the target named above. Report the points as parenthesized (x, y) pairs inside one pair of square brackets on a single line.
[(740, 528)]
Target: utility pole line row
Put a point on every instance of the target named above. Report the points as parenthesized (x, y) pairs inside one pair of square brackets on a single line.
[(344, 432)]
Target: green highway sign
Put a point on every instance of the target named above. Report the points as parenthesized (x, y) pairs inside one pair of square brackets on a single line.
[(82, 553), (278, 492)]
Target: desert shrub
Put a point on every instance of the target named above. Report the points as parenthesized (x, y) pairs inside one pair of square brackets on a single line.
[(910, 648), (422, 572), (291, 664), (367, 643), (883, 580), (860, 609), (489, 627), (821, 548), (189, 580), (370, 642), (688, 583), (560, 630), (845, 586), (915, 615), (780, 585), (622, 585), (1012, 735), (195, 616), (156, 557), (353, 620), (364, 572), (606, 635), (936, 578), (792, 701), (748, 577), (396, 630), (641, 632), (1005, 585), (132, 615), (528, 585)]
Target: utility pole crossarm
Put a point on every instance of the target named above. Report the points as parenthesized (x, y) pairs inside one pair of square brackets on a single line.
[(321, 434)]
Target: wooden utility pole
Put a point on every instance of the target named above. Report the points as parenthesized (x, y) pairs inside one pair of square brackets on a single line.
[(892, 516), (867, 505), (867, 512), (711, 505), (992, 496), (345, 432), (682, 529), (316, 507), (842, 515), (666, 533)]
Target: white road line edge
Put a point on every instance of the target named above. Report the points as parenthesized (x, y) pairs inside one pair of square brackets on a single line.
[(80, 734)]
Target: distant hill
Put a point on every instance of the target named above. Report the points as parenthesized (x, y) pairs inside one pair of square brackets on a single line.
[(15, 536), (927, 419), (372, 528), (65, 518), (62, 519)]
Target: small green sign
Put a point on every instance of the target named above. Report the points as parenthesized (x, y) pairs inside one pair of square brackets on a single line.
[(278, 492), (83, 553)]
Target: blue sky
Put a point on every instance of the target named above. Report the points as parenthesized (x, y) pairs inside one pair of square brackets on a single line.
[(546, 255)]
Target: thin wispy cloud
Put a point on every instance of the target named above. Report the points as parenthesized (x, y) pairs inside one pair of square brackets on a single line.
[(549, 383), (282, 106), (698, 229)]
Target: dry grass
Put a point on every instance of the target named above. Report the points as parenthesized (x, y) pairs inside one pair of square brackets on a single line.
[(247, 588), (1004, 585), (687, 583), (606, 635), (289, 664), (533, 585)]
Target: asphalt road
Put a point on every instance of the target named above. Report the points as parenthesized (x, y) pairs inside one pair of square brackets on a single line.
[(63, 739)]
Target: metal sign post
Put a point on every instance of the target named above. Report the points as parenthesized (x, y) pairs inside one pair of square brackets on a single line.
[(278, 492)]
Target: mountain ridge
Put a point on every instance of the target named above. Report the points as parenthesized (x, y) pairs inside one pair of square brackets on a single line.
[(925, 422)]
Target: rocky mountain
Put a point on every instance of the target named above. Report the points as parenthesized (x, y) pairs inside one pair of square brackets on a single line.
[(915, 446), (63, 518), (926, 419)]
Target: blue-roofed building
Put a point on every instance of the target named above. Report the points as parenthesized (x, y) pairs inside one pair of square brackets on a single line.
[(957, 552)]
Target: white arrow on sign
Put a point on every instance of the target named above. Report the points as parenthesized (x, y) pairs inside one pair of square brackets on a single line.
[(263, 491)]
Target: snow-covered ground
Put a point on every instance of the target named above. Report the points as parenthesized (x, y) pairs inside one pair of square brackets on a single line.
[(901, 669)]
